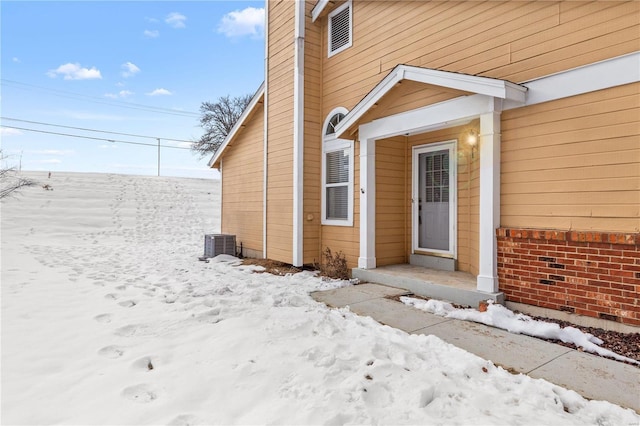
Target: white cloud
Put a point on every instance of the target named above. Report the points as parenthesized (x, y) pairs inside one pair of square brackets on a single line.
[(16, 60), (5, 131), (49, 161), (159, 92), (249, 21), (130, 69), (151, 33), (150, 19), (176, 20), (110, 146), (184, 144), (120, 94), (75, 72)]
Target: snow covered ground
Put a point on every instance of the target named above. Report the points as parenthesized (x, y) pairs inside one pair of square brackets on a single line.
[(109, 318)]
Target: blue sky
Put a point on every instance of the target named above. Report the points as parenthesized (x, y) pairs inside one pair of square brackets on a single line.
[(140, 68)]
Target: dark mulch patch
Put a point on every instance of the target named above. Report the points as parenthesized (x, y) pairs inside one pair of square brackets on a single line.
[(625, 344), (272, 266)]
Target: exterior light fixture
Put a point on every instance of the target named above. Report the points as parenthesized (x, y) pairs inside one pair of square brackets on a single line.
[(472, 140)]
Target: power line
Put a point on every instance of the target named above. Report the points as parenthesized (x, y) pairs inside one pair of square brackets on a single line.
[(93, 138), (91, 130), (94, 99)]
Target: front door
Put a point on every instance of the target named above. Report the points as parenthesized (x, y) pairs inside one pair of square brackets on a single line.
[(434, 198)]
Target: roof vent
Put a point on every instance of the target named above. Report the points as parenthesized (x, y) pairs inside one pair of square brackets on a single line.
[(340, 29)]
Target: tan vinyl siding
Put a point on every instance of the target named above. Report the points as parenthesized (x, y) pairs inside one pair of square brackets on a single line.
[(312, 140), (280, 131), (512, 40), (468, 201), (392, 204), (242, 185), (573, 163), (409, 95)]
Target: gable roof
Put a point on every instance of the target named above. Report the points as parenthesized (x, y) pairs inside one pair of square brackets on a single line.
[(469, 83), (246, 114)]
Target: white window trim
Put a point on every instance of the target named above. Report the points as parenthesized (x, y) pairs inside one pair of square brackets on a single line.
[(331, 144), (452, 146), (333, 13)]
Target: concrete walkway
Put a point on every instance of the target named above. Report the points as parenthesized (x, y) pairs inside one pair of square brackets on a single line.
[(591, 376)]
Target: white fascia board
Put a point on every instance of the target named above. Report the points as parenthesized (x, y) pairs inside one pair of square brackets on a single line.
[(298, 135), (318, 9), (469, 83), (236, 127), (443, 114), (588, 78)]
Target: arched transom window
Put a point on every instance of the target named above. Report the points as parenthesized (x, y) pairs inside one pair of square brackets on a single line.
[(337, 173)]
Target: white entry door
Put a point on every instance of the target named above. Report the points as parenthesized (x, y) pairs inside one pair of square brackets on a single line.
[(434, 198)]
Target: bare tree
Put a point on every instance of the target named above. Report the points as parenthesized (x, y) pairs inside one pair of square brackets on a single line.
[(218, 118), (10, 181)]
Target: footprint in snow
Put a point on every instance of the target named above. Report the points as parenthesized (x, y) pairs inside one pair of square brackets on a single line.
[(145, 364), (111, 352), (133, 330), (128, 303), (186, 420), (112, 296), (141, 393), (104, 318)]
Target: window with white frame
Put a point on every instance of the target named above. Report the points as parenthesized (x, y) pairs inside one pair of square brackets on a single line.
[(337, 174), (340, 29)]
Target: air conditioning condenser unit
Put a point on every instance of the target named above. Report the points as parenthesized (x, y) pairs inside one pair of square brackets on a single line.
[(215, 244)]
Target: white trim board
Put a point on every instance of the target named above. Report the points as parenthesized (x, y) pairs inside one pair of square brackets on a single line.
[(265, 122), (589, 78), (298, 135), (318, 9)]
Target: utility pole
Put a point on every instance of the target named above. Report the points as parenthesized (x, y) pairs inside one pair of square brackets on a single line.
[(158, 156)]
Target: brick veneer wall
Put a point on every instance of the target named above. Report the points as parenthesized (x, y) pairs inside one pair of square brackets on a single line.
[(588, 273)]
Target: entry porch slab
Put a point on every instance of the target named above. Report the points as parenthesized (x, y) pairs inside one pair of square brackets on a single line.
[(453, 286)]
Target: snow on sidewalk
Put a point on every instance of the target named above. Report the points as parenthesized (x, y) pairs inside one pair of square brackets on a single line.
[(501, 317), (109, 318)]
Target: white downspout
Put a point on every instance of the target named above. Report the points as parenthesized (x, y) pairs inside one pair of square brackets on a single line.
[(265, 146), (298, 135)]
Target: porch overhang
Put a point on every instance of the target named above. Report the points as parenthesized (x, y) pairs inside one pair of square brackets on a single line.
[(485, 87), (474, 98)]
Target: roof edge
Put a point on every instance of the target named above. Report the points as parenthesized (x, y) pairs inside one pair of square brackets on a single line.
[(497, 88), (236, 127), (318, 9)]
